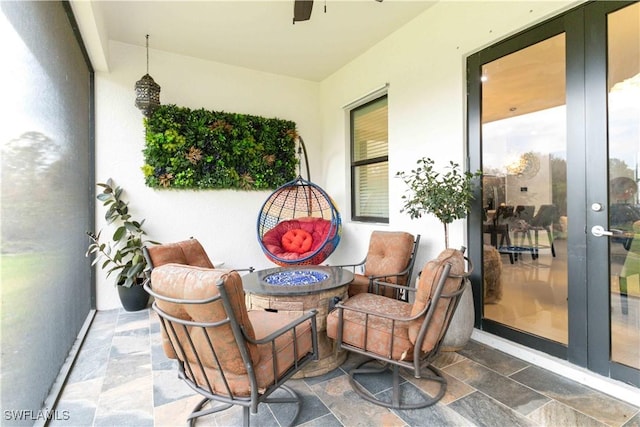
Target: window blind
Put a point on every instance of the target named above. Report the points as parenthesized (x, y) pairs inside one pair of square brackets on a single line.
[(370, 169)]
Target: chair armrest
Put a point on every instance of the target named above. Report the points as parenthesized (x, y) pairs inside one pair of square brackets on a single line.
[(382, 283), (379, 285), (341, 306), (310, 315), (385, 276), (352, 266)]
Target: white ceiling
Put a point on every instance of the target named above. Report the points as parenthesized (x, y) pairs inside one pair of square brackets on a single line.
[(255, 34)]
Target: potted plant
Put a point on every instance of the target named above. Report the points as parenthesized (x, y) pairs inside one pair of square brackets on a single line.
[(448, 196), (122, 255)]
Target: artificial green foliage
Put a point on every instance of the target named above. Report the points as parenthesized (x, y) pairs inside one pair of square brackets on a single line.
[(200, 149), (447, 195)]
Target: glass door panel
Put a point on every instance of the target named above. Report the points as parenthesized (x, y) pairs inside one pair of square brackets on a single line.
[(624, 204), (524, 146)]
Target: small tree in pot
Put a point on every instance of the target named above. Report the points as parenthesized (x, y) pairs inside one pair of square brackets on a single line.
[(122, 255), (447, 196)]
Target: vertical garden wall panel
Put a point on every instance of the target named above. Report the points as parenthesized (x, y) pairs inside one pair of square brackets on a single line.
[(200, 149)]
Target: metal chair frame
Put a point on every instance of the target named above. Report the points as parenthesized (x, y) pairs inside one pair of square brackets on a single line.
[(380, 281), (171, 324), (421, 364)]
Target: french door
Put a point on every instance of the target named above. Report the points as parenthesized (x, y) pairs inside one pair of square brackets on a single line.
[(554, 124)]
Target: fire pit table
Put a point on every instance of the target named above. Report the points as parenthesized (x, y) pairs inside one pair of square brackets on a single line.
[(299, 289)]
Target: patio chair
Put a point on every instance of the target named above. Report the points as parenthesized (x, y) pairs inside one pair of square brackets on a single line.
[(395, 334), (229, 355), (543, 221), (186, 252), (390, 259), (522, 219)]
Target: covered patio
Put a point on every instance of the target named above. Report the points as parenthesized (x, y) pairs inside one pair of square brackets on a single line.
[(107, 367)]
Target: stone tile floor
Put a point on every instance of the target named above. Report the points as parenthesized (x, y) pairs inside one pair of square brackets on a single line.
[(122, 378)]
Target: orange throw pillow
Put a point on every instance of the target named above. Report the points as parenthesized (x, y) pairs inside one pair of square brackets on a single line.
[(297, 240)]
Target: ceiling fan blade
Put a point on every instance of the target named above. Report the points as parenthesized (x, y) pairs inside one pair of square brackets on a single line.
[(302, 10)]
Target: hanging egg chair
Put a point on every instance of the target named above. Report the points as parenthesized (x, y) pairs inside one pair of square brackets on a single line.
[(299, 223)]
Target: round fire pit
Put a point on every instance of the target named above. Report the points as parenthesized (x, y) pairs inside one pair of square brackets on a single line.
[(297, 290), (295, 277)]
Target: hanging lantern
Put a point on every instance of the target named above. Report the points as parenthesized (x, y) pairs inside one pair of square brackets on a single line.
[(147, 91)]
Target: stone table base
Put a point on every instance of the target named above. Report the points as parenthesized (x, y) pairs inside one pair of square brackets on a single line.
[(328, 357)]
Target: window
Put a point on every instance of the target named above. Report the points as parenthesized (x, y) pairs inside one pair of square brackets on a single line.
[(370, 161)]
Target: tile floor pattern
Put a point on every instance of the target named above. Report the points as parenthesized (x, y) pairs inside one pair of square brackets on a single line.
[(122, 378)]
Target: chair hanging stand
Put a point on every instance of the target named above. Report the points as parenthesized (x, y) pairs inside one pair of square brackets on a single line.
[(299, 224)]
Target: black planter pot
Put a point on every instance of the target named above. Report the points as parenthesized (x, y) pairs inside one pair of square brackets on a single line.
[(134, 298)]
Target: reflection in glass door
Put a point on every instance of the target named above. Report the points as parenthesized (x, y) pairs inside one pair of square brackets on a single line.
[(524, 140), (624, 166), (554, 123)]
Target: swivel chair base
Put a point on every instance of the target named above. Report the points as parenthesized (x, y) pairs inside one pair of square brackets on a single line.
[(432, 374), (198, 410)]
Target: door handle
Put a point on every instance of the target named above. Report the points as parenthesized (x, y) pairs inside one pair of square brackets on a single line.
[(599, 231)]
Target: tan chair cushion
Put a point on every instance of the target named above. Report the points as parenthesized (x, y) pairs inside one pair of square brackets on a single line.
[(380, 333), (426, 286), (187, 252), (359, 285), (389, 253), (195, 283), (265, 322)]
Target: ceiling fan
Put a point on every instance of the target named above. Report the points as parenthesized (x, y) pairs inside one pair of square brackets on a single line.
[(302, 9)]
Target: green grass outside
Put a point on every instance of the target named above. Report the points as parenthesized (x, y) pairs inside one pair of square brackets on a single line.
[(20, 276)]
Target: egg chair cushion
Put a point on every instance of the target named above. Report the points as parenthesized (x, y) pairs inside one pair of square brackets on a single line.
[(297, 240), (310, 233)]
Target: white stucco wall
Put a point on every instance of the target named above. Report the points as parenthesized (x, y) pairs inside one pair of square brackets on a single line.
[(424, 63), (223, 221)]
